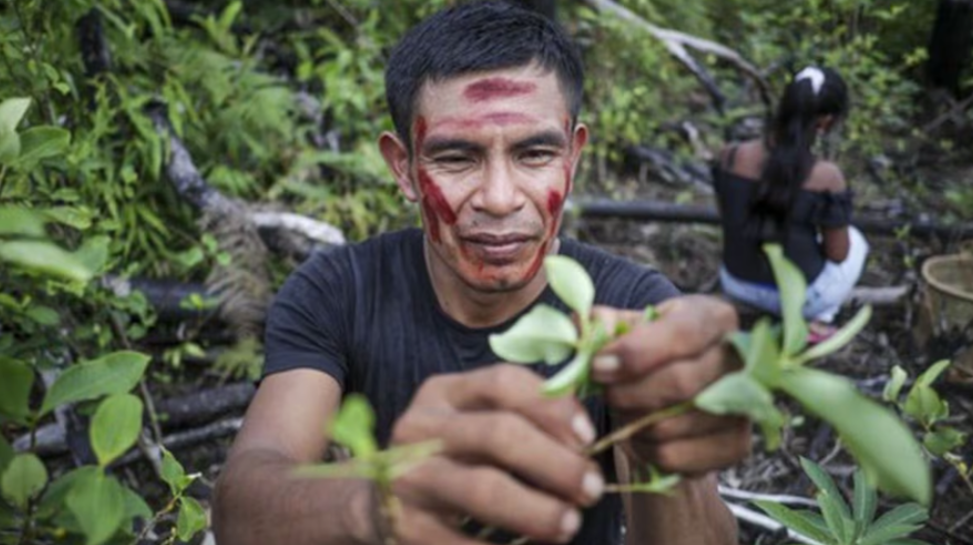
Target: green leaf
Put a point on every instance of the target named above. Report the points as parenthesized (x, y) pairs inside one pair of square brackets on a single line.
[(571, 283), (115, 426), (824, 483), (38, 143), (932, 373), (24, 478), (894, 386), (943, 440), (115, 373), (865, 500), (842, 337), (802, 522), (78, 217), (98, 503), (899, 522), (924, 405), (868, 430), (52, 502), (12, 111), (9, 146), (15, 387), (571, 377), (191, 520), (354, 426), (835, 513), (759, 351), (543, 334), (21, 221), (135, 506), (43, 315), (739, 393), (173, 474), (44, 257), (6, 454), (93, 253), (793, 291)]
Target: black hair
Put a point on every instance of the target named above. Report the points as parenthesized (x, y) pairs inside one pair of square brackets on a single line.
[(813, 93), (474, 37)]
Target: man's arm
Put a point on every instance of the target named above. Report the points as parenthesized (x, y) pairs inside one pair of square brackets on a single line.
[(257, 498)]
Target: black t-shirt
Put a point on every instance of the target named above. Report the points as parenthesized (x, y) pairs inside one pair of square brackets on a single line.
[(367, 315)]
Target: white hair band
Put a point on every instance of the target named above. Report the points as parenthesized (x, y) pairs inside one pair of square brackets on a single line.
[(815, 75)]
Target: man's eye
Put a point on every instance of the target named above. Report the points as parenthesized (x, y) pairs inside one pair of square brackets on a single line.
[(538, 156), (453, 160)]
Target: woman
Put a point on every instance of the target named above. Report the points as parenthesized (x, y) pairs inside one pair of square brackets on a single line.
[(776, 190)]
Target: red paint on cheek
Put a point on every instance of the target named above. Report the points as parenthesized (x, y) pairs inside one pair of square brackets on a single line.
[(420, 132), (537, 263), (434, 204), (554, 202), (493, 88)]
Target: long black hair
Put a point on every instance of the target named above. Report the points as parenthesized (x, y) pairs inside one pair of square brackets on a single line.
[(813, 93)]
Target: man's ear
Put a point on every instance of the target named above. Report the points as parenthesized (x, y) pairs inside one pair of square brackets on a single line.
[(396, 156), (578, 141)]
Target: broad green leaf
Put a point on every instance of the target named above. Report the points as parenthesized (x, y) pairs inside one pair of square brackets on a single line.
[(93, 253), (543, 334), (897, 523), (6, 453), (192, 518), (932, 373), (115, 426), (571, 283), (115, 373), (865, 500), (44, 257), (12, 111), (135, 506), (52, 502), (354, 426), (759, 351), (9, 146), (925, 405), (894, 386), (78, 217), (842, 337), (569, 378), (173, 473), (739, 393), (801, 522), (793, 292), (38, 143), (868, 430), (17, 380), (98, 503), (43, 315), (21, 221), (943, 440), (24, 478)]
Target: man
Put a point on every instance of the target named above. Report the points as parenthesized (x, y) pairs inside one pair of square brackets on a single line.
[(485, 99)]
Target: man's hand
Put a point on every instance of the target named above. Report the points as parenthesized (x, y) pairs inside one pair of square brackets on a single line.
[(668, 361), (511, 458)]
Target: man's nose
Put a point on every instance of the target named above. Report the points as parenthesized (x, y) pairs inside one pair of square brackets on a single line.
[(500, 193)]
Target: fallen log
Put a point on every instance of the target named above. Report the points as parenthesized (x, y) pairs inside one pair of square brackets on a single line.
[(648, 210)]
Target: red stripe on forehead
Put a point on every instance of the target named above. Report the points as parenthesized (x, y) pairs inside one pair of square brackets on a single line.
[(493, 88)]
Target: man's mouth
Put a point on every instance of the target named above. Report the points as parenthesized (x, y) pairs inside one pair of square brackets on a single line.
[(497, 248)]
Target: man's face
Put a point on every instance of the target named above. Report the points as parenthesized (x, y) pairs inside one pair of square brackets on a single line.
[(493, 158)]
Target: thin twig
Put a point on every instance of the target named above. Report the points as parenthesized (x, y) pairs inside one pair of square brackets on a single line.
[(634, 427)]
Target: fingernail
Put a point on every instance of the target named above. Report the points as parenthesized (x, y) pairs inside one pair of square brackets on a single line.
[(593, 485), (583, 428), (570, 523), (606, 363)]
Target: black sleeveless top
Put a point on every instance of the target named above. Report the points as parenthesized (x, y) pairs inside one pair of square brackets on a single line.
[(812, 211)]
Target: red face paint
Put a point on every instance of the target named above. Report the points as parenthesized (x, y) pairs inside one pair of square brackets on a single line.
[(434, 203), (493, 88), (554, 202), (538, 262)]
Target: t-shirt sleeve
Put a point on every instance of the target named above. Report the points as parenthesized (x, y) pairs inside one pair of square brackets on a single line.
[(307, 322), (651, 288)]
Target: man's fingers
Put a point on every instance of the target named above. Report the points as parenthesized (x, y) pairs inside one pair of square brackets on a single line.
[(490, 496), (674, 383), (510, 441), (687, 327), (697, 455), (418, 527), (511, 388)]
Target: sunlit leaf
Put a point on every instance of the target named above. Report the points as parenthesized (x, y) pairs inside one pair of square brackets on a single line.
[(12, 110), (191, 519), (793, 292), (569, 378), (759, 351), (924, 405), (543, 334), (115, 426), (842, 337), (354, 426), (806, 523), (43, 142), (739, 393), (23, 479), (44, 257), (868, 430), (894, 386), (9, 146), (93, 253), (78, 217), (173, 473), (98, 502), (17, 380), (20, 221), (114, 373), (571, 283)]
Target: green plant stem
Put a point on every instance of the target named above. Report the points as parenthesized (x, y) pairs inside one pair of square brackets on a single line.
[(634, 427), (150, 525)]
